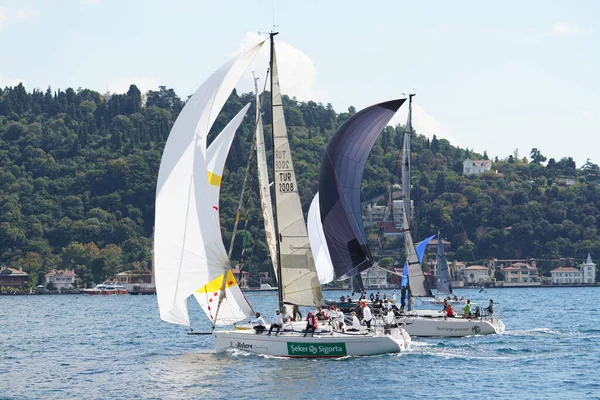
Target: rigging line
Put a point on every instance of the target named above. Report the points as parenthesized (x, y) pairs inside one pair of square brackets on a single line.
[(237, 217), (390, 199), (247, 220), (250, 192)]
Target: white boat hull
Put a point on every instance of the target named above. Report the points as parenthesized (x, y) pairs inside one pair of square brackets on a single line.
[(321, 345), (448, 327)]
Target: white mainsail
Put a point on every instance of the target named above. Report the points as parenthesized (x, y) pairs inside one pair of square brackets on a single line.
[(416, 279), (263, 183), (188, 248), (300, 282), (318, 243)]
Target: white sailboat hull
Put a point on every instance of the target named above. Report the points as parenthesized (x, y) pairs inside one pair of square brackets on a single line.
[(322, 345), (416, 325)]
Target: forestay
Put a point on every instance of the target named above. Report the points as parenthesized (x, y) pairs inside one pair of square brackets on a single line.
[(264, 188)]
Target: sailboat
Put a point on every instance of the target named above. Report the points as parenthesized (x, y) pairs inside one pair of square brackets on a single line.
[(189, 253), (430, 322), (442, 279)]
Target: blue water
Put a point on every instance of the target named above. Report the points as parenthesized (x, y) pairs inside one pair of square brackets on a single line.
[(91, 347)]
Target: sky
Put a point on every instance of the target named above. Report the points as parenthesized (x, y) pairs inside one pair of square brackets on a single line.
[(489, 76)]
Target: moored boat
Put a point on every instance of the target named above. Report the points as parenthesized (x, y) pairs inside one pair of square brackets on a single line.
[(105, 289)]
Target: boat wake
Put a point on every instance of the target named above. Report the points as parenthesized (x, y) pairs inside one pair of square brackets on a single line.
[(533, 332)]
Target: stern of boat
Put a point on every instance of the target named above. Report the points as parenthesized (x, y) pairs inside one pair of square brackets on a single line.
[(498, 326)]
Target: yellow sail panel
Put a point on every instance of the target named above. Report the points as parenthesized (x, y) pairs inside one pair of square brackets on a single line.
[(214, 179), (216, 284)]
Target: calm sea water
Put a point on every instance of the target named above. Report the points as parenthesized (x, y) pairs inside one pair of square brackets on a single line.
[(88, 347)]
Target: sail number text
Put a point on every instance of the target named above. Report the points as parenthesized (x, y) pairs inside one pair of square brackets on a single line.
[(282, 160), (286, 184), (284, 164)]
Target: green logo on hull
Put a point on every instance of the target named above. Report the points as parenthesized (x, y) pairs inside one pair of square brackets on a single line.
[(317, 349)]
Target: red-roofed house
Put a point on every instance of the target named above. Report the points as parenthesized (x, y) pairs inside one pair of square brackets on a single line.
[(566, 275), (13, 277), (61, 279)]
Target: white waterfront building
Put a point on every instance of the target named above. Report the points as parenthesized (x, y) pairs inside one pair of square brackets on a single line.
[(476, 274), (566, 275)]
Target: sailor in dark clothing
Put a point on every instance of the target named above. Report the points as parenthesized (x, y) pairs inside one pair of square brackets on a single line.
[(402, 298)]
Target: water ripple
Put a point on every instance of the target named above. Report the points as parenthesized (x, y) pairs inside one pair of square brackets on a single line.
[(95, 348)]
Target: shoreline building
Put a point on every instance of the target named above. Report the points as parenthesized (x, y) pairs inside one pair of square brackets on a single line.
[(61, 279), (15, 278), (521, 273), (571, 275)]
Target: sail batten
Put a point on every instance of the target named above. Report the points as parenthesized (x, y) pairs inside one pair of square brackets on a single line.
[(341, 173)]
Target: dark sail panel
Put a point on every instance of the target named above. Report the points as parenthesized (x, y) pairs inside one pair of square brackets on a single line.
[(341, 173)]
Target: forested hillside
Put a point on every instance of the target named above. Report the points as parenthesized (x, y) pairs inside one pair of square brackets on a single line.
[(79, 169)]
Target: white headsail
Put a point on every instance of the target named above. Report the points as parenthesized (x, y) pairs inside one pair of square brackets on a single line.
[(300, 282), (188, 249), (318, 243), (217, 152)]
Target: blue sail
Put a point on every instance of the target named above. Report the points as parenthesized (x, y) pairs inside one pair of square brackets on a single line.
[(420, 247)]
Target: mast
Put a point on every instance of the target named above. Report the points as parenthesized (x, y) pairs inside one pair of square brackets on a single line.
[(406, 162), (277, 245), (407, 219)]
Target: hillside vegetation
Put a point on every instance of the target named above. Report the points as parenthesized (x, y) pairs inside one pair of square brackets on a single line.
[(79, 171)]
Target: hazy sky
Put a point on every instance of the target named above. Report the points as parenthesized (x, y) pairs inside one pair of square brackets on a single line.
[(489, 76)]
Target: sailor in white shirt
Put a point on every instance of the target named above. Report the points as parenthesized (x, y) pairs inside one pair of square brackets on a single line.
[(276, 323), (340, 319), (367, 316), (390, 319), (259, 324), (355, 323)]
